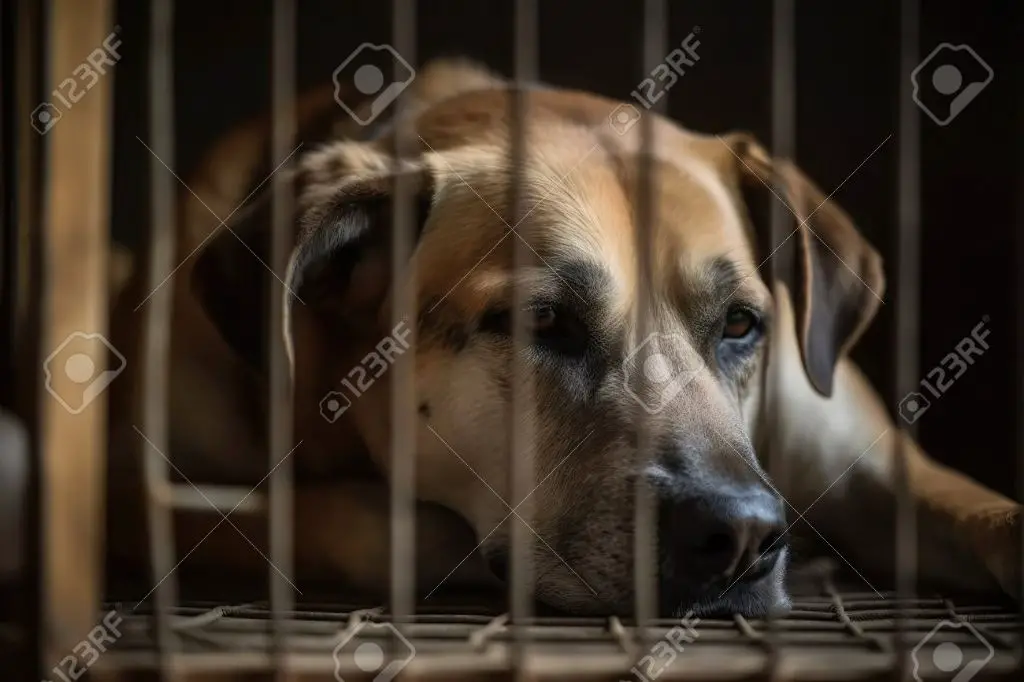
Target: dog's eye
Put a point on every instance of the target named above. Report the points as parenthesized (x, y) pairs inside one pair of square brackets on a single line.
[(739, 323), (544, 318), (553, 327), (560, 330)]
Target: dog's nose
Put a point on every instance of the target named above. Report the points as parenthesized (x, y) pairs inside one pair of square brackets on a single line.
[(498, 563), (722, 537)]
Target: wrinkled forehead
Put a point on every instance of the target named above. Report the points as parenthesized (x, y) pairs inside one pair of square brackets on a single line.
[(580, 207)]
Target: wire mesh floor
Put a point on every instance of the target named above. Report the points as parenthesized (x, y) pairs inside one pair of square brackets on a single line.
[(835, 630)]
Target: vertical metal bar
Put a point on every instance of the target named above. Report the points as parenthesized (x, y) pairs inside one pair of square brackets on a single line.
[(156, 352), (281, 497), (909, 211), (783, 114), (29, 76), (783, 98), (783, 146), (10, 236), (404, 285), (522, 435), (75, 223), (1019, 291), (75, 230), (28, 325), (907, 336), (645, 530)]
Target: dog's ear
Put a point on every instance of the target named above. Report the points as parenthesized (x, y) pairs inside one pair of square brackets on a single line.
[(229, 279), (834, 274), (340, 260)]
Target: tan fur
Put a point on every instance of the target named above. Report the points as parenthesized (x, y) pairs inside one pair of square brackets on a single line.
[(580, 195)]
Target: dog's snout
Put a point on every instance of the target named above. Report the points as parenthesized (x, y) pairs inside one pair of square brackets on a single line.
[(498, 563), (723, 535), (718, 538)]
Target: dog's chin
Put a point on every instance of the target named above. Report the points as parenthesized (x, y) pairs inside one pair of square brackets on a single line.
[(766, 598), (750, 601), (763, 598), (755, 601)]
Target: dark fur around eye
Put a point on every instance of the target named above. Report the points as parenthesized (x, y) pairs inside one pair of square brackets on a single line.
[(555, 328), (742, 330), (497, 321)]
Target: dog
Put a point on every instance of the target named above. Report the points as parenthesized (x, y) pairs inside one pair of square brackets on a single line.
[(752, 370)]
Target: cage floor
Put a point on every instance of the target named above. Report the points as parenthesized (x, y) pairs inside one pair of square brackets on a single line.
[(836, 630)]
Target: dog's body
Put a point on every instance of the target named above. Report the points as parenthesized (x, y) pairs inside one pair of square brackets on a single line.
[(809, 412)]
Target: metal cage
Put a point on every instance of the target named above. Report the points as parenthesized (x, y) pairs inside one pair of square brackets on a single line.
[(55, 241)]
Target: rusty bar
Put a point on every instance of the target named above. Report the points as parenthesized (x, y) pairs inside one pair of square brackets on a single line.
[(280, 399), (521, 431), (906, 339), (403, 312), (156, 351), (74, 299), (655, 28), (783, 124)]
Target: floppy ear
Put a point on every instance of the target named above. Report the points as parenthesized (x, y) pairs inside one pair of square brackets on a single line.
[(834, 274), (340, 262)]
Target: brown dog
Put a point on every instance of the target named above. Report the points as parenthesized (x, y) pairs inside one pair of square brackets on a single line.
[(710, 402)]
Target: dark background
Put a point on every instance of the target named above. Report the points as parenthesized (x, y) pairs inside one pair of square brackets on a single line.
[(848, 80)]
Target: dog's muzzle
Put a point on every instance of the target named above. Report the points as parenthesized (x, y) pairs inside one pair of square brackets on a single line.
[(721, 549)]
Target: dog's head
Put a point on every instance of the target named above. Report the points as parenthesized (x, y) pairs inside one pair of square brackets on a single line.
[(626, 377)]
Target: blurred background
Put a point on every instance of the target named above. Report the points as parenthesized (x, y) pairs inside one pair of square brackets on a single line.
[(848, 81)]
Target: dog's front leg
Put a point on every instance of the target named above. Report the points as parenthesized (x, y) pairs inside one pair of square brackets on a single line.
[(344, 530), (342, 536), (836, 460)]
